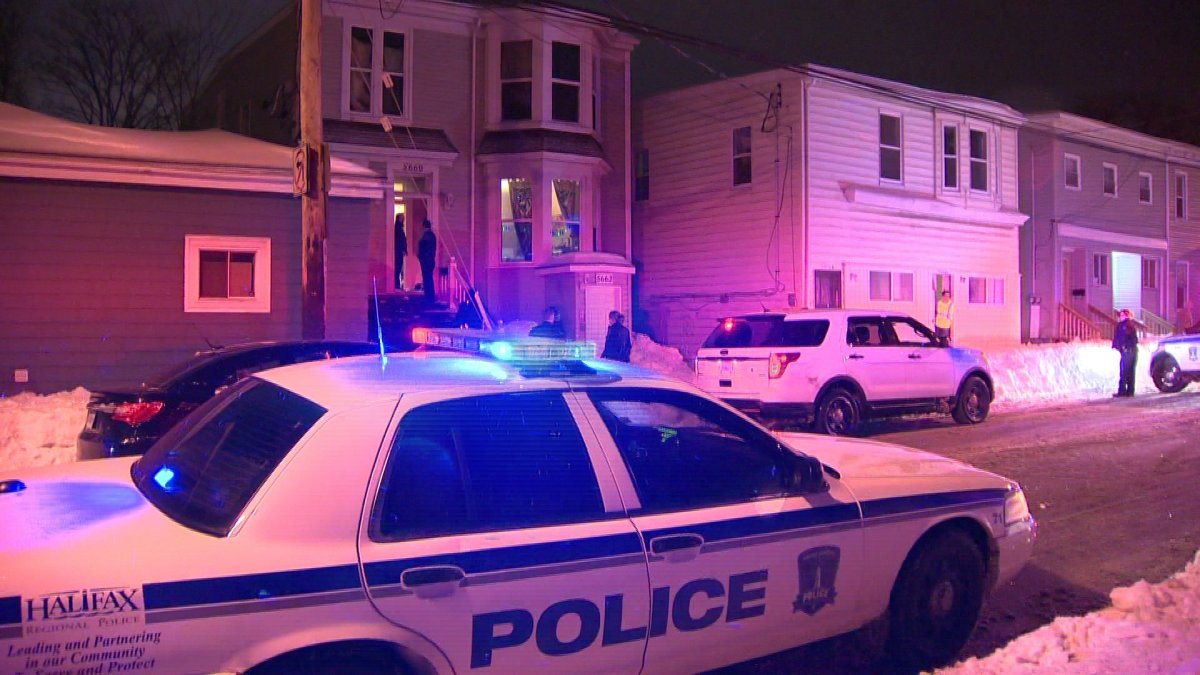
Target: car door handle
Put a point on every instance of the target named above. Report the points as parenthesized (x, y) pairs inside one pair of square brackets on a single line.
[(855, 356), (432, 582), (914, 355), (677, 547)]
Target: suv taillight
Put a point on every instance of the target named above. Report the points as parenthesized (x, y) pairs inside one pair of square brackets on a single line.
[(137, 412), (778, 364)]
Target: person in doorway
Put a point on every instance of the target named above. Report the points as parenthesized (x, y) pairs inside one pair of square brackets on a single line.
[(427, 255), (1125, 341), (943, 318), (400, 250), (617, 344), (551, 326)]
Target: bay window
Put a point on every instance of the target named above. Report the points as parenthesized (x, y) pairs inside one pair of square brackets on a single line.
[(564, 216), (564, 86), (516, 220)]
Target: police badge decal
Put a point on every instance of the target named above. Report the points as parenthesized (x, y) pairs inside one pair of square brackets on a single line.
[(817, 570)]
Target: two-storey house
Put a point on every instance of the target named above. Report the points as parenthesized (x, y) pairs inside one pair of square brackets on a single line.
[(1111, 226), (506, 127), (817, 187)]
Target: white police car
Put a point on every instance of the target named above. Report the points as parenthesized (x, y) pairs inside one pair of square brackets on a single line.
[(435, 512), (1175, 363)]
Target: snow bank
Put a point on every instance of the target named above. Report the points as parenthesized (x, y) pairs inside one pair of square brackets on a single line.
[(1060, 372), (38, 430)]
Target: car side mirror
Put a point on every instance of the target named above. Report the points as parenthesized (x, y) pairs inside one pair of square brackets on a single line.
[(808, 475)]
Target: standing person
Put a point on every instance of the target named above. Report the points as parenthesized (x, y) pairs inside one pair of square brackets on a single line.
[(427, 255), (943, 319), (617, 344), (1125, 340), (400, 251), (551, 326)]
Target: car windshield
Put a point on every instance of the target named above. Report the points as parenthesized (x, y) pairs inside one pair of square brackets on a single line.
[(205, 470), (767, 331)]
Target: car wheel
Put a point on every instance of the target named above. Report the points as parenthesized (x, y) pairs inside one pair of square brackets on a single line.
[(839, 413), (345, 658), (974, 401), (936, 601), (1167, 376)]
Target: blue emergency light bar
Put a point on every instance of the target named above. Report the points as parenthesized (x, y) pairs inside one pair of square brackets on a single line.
[(505, 348)]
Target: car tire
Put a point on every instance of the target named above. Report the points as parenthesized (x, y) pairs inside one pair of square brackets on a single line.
[(936, 601), (344, 658), (974, 402), (839, 413), (1167, 376)]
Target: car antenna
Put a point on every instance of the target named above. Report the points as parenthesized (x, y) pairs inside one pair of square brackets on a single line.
[(378, 323)]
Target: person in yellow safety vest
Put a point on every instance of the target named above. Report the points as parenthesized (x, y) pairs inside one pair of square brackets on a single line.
[(944, 319)]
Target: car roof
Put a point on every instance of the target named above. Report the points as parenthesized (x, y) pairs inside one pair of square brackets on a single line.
[(347, 382)]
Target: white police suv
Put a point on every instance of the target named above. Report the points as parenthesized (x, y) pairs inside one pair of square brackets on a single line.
[(1175, 363), (837, 367), (523, 509)]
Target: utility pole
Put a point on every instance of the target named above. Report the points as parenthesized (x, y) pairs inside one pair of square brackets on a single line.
[(313, 178)]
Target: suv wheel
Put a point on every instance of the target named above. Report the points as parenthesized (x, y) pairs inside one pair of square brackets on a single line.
[(838, 413), (1167, 376), (973, 402)]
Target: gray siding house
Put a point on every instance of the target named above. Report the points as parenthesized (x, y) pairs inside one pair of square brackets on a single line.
[(1112, 226), (126, 250), (507, 127)]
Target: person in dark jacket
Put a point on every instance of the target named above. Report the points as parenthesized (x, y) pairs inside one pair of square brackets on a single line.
[(551, 326), (427, 254), (617, 344), (1125, 340), (400, 251)]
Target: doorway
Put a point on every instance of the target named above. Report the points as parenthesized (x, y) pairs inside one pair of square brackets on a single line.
[(1127, 281), (409, 212), (827, 289)]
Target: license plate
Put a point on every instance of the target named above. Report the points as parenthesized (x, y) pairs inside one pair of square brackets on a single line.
[(727, 367)]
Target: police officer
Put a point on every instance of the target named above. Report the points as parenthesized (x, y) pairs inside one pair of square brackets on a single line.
[(1125, 341)]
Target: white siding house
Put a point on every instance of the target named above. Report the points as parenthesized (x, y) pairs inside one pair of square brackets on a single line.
[(817, 187)]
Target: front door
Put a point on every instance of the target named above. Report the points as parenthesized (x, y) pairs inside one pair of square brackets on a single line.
[(827, 289), (492, 536), (410, 210)]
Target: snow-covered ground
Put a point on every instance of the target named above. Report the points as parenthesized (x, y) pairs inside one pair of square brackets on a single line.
[(1149, 628)]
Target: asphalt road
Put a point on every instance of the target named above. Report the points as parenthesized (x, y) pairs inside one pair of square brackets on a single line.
[(1113, 484)]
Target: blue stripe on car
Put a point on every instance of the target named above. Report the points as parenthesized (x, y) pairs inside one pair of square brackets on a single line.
[(903, 505), (250, 587)]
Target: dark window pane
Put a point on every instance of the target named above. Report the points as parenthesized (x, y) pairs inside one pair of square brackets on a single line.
[(516, 60), (979, 177), (566, 61), (214, 274), (360, 91), (241, 275), (565, 102), (516, 101), (767, 331), (979, 145), (889, 130), (889, 163), (741, 170), (393, 52), (393, 99), (949, 141), (741, 141), (360, 48)]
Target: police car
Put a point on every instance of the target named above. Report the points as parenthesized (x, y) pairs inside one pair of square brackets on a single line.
[(523, 507), (1175, 363)]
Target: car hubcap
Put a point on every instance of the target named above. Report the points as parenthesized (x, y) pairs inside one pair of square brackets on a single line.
[(941, 599)]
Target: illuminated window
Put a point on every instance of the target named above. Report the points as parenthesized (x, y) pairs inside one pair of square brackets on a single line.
[(950, 157), (1145, 188), (564, 85), (227, 274), (516, 220), (741, 156), (890, 153), (564, 216), (374, 54), (1071, 176), (516, 80), (1110, 180), (891, 286), (979, 160)]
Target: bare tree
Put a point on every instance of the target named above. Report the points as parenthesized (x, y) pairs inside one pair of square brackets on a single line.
[(14, 22), (189, 48)]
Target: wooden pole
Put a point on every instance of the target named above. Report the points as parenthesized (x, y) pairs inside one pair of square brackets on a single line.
[(312, 304)]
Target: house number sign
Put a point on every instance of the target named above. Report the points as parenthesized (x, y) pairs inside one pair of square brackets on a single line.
[(604, 278)]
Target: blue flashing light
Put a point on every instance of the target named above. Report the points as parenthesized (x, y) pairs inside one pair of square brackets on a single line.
[(500, 350), (163, 477), (522, 350)]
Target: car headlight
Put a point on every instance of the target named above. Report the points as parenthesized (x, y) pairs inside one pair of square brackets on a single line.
[(1016, 509)]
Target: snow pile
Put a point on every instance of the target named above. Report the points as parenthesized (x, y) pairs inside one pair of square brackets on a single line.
[(1150, 628), (661, 359), (1057, 372), (38, 430)]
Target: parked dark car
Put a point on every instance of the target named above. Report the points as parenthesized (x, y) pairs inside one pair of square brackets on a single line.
[(127, 421)]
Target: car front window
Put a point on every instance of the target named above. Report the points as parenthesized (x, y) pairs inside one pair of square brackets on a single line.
[(205, 470)]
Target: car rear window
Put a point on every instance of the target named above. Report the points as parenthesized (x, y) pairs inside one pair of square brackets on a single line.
[(767, 331), (205, 470)]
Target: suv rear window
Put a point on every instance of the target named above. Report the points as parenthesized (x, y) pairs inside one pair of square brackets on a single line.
[(767, 331), (205, 470)]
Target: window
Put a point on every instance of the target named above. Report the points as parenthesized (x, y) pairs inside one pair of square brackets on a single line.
[(767, 331), (741, 156), (1149, 273), (1181, 195), (890, 154), (564, 216), (372, 65), (827, 288), (985, 291), (1100, 269), (684, 452), (564, 85), (227, 274), (1181, 285), (516, 220), (909, 333), (1110, 180), (950, 157), (486, 463), (1145, 188), (893, 286), (979, 160), (1072, 178), (516, 80), (641, 175)]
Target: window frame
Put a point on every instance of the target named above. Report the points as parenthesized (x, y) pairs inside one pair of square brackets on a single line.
[(895, 276), (260, 247), (1068, 157), (985, 160), (1108, 169), (505, 199), (1101, 269), (992, 288), (528, 79), (1181, 205), (556, 82), (898, 149), (950, 159), (1150, 273), (377, 90), (747, 156), (1149, 187)]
